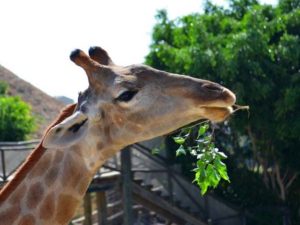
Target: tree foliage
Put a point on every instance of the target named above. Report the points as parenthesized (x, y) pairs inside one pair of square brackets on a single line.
[(16, 121), (254, 50)]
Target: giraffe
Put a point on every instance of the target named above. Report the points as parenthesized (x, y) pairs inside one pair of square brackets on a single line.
[(121, 106)]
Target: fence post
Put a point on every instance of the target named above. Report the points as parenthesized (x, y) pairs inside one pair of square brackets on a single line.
[(170, 184), (207, 208), (87, 204), (3, 165), (101, 207), (286, 216), (243, 218), (126, 177)]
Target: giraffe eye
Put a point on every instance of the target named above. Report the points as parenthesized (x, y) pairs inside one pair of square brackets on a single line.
[(126, 96)]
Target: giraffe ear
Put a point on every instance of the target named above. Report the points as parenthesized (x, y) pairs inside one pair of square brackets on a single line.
[(68, 132)]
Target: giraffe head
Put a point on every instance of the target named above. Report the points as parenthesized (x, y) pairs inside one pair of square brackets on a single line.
[(124, 105)]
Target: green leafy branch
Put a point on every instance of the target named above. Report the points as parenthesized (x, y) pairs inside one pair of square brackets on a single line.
[(210, 168)]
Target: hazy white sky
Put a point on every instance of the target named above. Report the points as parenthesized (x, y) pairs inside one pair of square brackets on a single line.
[(36, 37)]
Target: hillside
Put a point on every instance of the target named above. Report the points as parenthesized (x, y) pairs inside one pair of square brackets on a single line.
[(44, 107)]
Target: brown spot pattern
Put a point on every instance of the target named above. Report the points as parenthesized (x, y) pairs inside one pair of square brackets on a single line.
[(100, 145), (48, 207), (18, 195), (107, 133), (27, 220), (59, 155), (35, 195), (10, 215), (51, 175), (76, 177), (66, 207), (41, 166), (83, 185), (72, 172), (77, 149)]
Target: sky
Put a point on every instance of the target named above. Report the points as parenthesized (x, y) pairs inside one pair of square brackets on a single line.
[(36, 37)]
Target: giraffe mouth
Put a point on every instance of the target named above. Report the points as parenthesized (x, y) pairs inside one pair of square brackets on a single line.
[(222, 108), (225, 99), (216, 114)]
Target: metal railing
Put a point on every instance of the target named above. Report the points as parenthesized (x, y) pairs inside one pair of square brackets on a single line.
[(180, 189), (154, 169), (12, 155), (172, 175)]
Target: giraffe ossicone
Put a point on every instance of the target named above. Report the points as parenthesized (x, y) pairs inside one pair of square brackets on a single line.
[(121, 106)]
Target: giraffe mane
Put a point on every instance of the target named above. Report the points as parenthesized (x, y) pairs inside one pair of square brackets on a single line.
[(34, 157)]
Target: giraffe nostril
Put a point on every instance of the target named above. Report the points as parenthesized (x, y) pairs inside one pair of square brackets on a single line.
[(213, 87)]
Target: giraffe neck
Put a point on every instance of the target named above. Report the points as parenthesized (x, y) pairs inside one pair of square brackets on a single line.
[(48, 187), (51, 191)]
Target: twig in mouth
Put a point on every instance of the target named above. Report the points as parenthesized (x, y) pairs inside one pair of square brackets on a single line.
[(236, 107)]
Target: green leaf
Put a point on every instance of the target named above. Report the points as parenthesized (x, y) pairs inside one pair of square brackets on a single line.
[(201, 178), (180, 151), (203, 175), (221, 154), (207, 139), (203, 186), (200, 156), (193, 152), (208, 157), (211, 146), (179, 140), (186, 131), (219, 164), (197, 175), (221, 168), (202, 129), (224, 175), (213, 176), (155, 151), (200, 164)]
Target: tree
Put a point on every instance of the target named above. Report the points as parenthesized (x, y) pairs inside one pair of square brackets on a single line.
[(16, 121), (3, 88), (255, 51)]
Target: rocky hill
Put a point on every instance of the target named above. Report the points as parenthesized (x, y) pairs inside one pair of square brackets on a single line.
[(44, 107), (64, 99)]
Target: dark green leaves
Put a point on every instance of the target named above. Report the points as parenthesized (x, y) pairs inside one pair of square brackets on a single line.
[(254, 50)]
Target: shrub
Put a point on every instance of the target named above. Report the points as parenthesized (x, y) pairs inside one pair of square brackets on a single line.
[(16, 121)]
